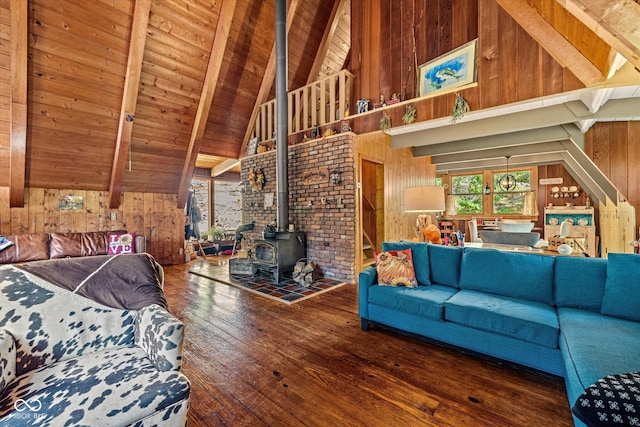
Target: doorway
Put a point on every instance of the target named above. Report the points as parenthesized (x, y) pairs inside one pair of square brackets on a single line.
[(372, 209)]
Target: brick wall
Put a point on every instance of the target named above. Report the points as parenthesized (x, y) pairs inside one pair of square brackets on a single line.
[(326, 212)]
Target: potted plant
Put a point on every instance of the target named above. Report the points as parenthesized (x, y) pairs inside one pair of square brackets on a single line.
[(215, 233)]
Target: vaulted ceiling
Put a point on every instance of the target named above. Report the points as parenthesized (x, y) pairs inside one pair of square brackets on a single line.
[(124, 95)]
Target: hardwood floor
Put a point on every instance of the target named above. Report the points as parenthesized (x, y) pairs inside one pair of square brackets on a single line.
[(253, 362)]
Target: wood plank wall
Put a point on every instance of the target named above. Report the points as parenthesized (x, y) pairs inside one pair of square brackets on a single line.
[(5, 90), (153, 215), (401, 170), (614, 148), (512, 66)]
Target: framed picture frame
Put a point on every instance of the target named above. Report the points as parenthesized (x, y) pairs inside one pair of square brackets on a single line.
[(454, 69), (252, 146)]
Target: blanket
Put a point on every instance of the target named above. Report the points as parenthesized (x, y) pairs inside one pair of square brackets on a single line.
[(126, 282)]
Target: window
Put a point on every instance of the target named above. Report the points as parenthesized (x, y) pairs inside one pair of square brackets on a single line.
[(467, 190), (473, 199), (511, 202)]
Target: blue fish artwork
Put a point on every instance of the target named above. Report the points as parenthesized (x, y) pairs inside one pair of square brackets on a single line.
[(445, 74)]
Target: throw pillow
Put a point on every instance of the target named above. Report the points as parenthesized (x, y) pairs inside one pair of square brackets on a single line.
[(621, 290), (121, 243), (612, 400), (395, 268)]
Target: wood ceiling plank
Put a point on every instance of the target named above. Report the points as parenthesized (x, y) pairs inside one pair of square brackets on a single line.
[(617, 23), (18, 132), (267, 80), (218, 49), (551, 40), (327, 39), (129, 98)]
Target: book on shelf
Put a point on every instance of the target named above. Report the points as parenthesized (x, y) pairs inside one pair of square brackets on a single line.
[(4, 243)]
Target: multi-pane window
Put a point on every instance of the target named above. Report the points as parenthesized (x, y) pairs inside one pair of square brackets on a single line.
[(467, 190), (511, 201), (471, 190)]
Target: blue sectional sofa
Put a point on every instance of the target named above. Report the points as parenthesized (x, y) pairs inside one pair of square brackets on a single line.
[(574, 317)]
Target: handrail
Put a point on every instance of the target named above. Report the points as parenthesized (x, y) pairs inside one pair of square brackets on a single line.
[(304, 106)]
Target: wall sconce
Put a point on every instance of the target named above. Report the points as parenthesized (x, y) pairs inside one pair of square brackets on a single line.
[(487, 189), (335, 177)]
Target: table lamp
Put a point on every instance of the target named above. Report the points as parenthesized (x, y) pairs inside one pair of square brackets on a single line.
[(424, 199)]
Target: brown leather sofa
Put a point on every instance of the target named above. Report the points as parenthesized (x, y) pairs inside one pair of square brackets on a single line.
[(40, 246)]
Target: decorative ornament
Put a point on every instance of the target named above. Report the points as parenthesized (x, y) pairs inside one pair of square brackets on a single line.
[(256, 179), (409, 115), (460, 107), (385, 122)]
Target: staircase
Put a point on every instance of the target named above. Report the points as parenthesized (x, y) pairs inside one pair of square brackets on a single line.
[(368, 251)]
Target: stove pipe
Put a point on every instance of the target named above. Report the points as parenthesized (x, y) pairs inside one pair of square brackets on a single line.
[(282, 146)]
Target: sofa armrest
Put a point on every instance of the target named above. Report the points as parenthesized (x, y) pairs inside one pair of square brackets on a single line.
[(161, 335), (366, 279), (7, 359)]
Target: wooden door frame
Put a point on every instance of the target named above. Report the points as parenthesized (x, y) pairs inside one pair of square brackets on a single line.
[(359, 220)]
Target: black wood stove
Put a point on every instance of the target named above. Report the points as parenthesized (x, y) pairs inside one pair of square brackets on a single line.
[(279, 255)]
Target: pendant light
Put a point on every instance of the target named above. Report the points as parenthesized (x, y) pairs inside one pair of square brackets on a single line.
[(507, 181)]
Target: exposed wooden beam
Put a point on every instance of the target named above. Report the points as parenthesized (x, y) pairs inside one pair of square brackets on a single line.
[(267, 81), (615, 22), (552, 41), (327, 37), (18, 128), (129, 98), (224, 166), (216, 56)]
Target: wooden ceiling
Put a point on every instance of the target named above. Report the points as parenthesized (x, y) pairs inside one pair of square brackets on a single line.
[(187, 74)]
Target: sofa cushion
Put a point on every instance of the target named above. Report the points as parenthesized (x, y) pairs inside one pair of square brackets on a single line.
[(594, 346), (52, 324), (444, 265), (622, 291), (525, 320), (26, 247), (420, 255), (395, 268), (525, 276), (425, 301), (612, 400), (62, 245), (110, 387), (579, 282)]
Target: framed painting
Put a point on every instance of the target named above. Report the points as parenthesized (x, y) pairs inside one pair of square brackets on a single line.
[(451, 70), (252, 146)]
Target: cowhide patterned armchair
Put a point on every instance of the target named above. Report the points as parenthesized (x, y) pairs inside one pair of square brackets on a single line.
[(66, 358)]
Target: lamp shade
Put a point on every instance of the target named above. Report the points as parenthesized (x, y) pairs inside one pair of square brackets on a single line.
[(424, 199)]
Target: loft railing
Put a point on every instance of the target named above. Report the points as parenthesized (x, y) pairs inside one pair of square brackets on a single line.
[(319, 103)]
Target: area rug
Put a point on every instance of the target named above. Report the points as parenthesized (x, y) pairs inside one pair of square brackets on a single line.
[(287, 292)]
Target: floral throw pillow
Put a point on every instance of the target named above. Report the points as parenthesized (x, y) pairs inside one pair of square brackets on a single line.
[(121, 243), (395, 268)]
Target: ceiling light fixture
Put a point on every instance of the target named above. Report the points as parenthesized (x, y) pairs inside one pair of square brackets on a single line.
[(507, 181)]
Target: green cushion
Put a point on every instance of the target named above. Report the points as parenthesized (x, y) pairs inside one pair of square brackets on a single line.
[(622, 288)]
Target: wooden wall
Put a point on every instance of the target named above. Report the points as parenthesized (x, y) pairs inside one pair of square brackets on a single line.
[(401, 170), (5, 90), (512, 66), (153, 215), (614, 148)]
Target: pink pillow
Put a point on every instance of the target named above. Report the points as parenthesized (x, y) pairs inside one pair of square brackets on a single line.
[(122, 243)]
